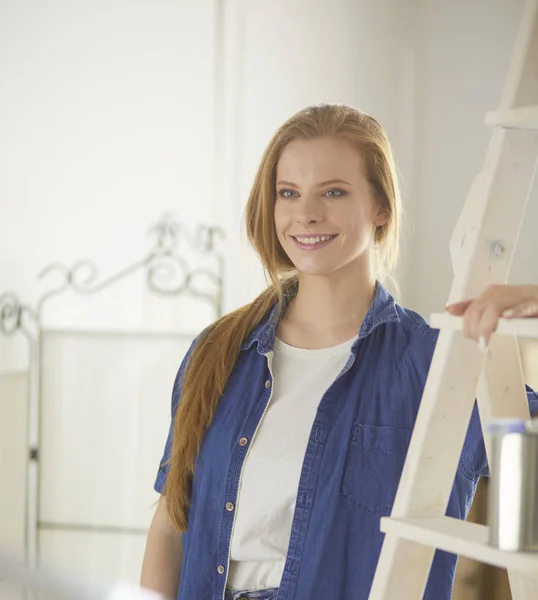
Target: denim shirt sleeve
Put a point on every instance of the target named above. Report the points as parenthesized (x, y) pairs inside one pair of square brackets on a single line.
[(164, 467), (473, 460)]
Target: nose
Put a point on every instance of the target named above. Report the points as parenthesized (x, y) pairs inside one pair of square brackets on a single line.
[(309, 210)]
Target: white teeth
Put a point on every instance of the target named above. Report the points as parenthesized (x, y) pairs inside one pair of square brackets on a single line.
[(313, 240)]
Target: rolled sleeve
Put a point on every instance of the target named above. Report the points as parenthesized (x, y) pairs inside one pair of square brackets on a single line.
[(162, 473), (164, 467), (533, 401)]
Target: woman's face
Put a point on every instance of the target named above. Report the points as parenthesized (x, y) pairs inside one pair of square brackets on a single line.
[(325, 213)]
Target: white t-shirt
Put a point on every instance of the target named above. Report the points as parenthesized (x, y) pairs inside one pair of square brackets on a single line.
[(270, 477)]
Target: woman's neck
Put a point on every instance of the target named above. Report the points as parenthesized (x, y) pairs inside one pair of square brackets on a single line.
[(327, 311)]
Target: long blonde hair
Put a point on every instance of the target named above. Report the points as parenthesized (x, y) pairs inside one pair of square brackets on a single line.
[(216, 352)]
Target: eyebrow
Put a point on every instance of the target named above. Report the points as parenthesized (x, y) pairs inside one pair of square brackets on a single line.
[(322, 184)]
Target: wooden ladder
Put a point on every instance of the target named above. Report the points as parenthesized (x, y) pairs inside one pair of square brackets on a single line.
[(482, 249)]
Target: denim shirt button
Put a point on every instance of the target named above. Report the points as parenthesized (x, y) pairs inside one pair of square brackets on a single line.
[(268, 384)]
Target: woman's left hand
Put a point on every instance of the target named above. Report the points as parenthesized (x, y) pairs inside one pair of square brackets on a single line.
[(481, 315)]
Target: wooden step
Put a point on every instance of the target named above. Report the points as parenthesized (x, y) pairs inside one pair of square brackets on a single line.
[(519, 327), (524, 117), (458, 537)]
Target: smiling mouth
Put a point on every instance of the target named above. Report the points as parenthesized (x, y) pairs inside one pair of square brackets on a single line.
[(313, 241)]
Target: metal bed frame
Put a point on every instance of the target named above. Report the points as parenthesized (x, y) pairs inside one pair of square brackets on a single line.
[(167, 272)]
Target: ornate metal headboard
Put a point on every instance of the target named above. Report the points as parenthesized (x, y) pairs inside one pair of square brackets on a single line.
[(167, 271)]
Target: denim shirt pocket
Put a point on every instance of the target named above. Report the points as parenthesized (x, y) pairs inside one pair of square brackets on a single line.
[(373, 466)]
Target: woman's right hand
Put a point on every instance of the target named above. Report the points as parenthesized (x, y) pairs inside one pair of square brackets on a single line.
[(481, 315)]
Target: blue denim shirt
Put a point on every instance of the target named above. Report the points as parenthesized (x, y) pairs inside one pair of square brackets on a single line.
[(352, 465)]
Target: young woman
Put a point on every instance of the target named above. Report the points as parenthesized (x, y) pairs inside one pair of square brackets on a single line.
[(292, 415)]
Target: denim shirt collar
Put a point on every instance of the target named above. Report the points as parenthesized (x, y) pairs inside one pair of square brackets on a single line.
[(382, 310)]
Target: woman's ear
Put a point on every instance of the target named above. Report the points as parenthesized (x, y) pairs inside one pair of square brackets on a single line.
[(381, 218)]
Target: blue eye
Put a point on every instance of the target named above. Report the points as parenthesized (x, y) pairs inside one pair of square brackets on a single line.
[(284, 193), (334, 193)]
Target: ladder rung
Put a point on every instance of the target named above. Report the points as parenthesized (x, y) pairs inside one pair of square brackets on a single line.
[(520, 327), (523, 117), (459, 537)]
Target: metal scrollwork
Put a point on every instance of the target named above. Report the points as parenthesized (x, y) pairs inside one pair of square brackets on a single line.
[(206, 237), (168, 272), (12, 314), (170, 232), (167, 268), (167, 232)]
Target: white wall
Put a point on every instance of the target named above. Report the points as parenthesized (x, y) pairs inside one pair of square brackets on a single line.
[(463, 55), (106, 121)]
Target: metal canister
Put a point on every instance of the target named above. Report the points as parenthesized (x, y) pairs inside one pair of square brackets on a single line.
[(513, 489)]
